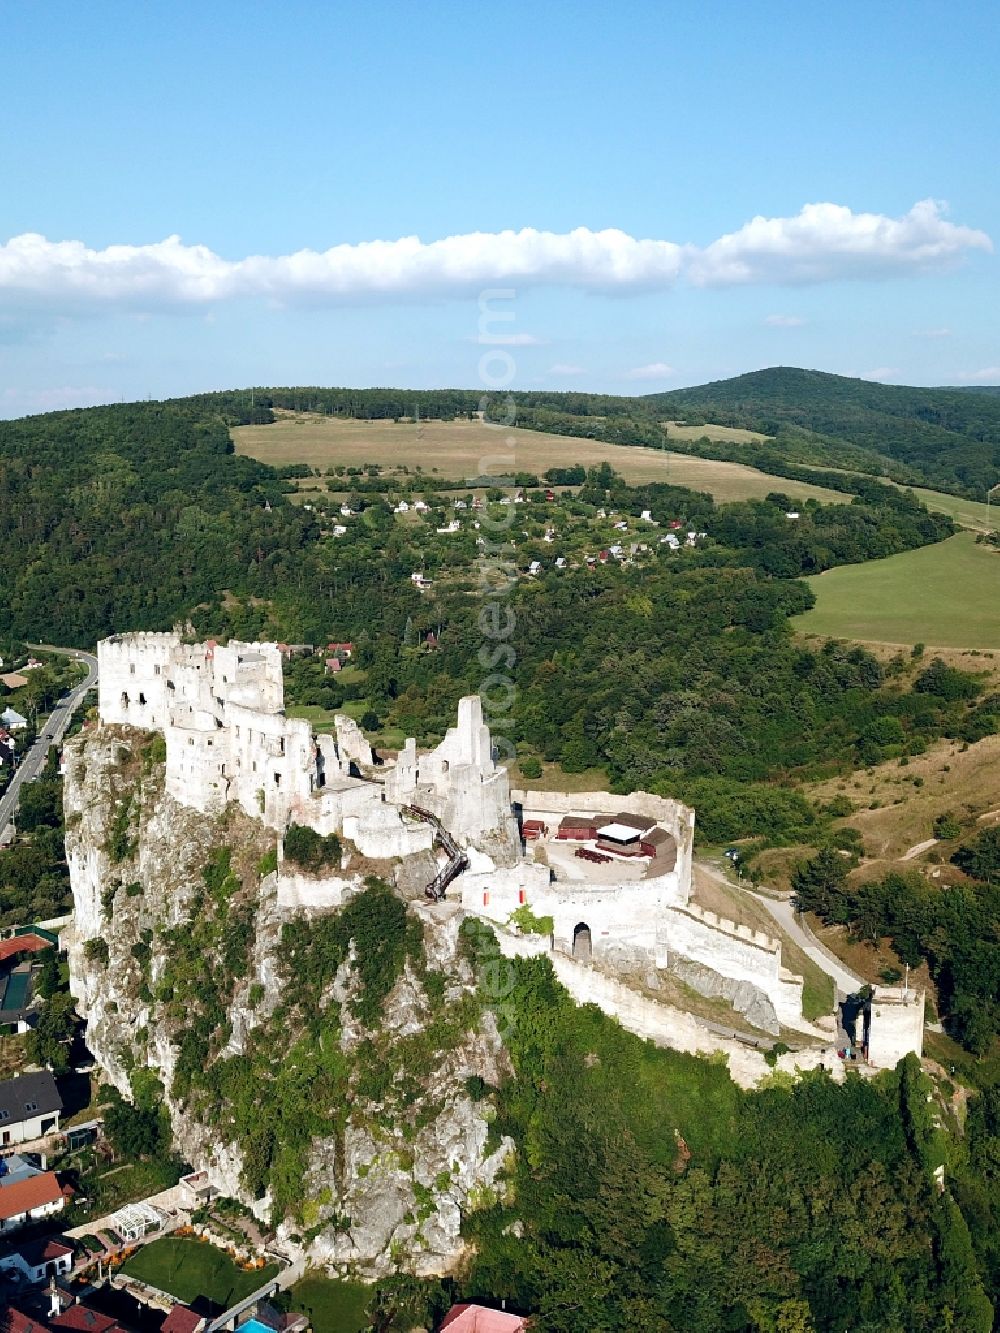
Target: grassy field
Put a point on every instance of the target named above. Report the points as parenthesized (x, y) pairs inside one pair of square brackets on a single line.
[(966, 513), (946, 595), (461, 449), (730, 434), (189, 1268), (333, 1306)]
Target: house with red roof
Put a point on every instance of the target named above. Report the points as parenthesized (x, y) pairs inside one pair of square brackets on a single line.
[(29, 1199), (38, 1260), (480, 1319), (81, 1318), (13, 1321), (182, 1319)]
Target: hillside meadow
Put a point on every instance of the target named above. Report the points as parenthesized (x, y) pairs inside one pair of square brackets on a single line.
[(945, 595), (463, 449)]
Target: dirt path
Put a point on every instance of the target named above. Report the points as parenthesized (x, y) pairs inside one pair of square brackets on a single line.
[(918, 848)]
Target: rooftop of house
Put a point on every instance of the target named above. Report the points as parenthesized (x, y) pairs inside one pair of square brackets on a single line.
[(22, 944), (479, 1319), (43, 1250), (84, 1320), (13, 1321), (21, 1196), (181, 1319), (28, 1096)]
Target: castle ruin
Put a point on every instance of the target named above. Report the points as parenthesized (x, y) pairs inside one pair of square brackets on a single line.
[(613, 873)]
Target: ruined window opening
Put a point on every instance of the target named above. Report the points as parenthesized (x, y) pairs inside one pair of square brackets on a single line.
[(142, 698), (582, 942), (156, 669), (281, 745), (277, 779), (131, 668), (124, 699)]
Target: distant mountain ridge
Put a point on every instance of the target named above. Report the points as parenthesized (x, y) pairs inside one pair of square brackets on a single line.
[(948, 438)]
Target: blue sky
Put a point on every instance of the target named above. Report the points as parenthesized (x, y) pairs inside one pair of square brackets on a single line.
[(617, 145)]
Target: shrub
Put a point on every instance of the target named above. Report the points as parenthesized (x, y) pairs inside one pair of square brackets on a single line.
[(946, 826), (305, 848), (96, 951)]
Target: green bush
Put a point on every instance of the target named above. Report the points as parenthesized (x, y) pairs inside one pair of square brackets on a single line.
[(305, 848)]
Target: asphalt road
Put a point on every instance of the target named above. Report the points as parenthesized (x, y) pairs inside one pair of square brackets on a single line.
[(51, 734)]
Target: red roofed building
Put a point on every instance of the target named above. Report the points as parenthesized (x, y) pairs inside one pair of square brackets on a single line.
[(82, 1319), (13, 1321), (37, 1260), (28, 1200), (478, 1319), (22, 944), (182, 1319)]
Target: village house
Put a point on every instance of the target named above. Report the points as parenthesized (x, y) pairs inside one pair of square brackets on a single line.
[(480, 1319), (37, 1261), (30, 1107), (28, 1195), (13, 720), (182, 1319)]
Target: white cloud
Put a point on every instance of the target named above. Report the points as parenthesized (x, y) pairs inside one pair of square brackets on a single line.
[(560, 368), (822, 243), (827, 242), (988, 375), (785, 321), (657, 370), (880, 373), (932, 333)]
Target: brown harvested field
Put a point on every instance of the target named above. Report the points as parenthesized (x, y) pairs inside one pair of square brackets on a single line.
[(463, 449)]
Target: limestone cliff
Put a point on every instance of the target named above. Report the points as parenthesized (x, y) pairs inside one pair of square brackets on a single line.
[(316, 1063)]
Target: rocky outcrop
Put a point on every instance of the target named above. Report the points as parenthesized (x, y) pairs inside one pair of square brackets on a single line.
[(386, 1185), (746, 998)]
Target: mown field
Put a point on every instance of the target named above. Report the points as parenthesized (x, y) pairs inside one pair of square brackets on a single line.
[(734, 434), (946, 595), (189, 1268), (461, 449), (967, 513)]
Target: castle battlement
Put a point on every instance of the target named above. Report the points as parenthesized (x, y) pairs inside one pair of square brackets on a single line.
[(738, 930)]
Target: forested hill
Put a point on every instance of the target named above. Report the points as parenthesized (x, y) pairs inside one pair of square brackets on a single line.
[(124, 517), (949, 438)]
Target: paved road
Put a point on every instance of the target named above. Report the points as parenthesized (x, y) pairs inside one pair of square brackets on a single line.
[(784, 913), (51, 734)]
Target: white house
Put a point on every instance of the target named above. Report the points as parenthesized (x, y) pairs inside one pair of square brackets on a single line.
[(29, 1107), (38, 1260), (28, 1198), (12, 719)]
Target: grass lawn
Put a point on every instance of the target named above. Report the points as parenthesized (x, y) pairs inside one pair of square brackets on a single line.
[(332, 1306), (946, 595), (463, 449), (125, 1184), (967, 513), (732, 434), (189, 1268)]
